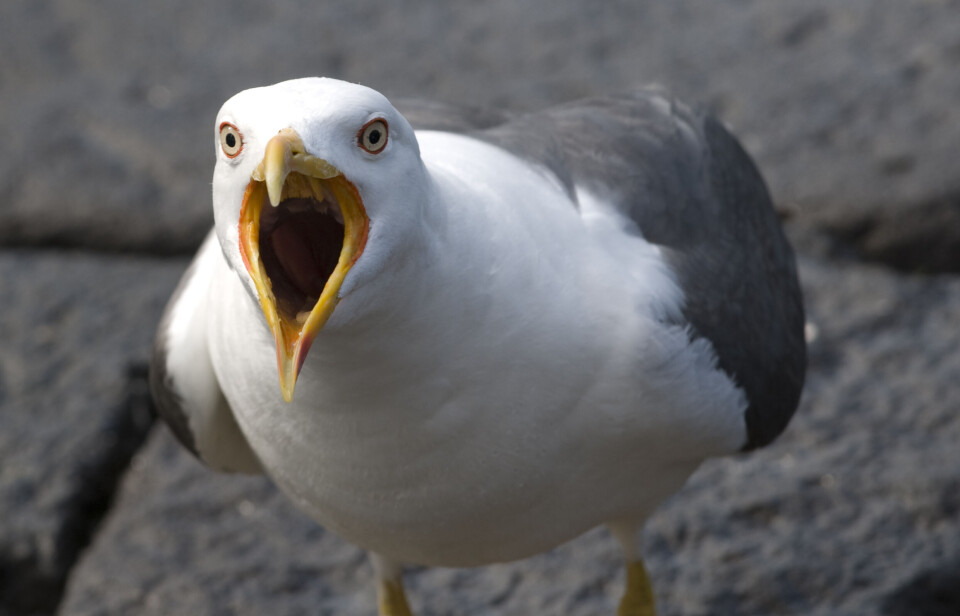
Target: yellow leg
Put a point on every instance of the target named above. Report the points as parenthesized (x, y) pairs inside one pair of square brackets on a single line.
[(391, 599), (638, 595)]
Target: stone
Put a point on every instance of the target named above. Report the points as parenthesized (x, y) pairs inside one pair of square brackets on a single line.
[(109, 143), (850, 114), (184, 540), (73, 405), (853, 511)]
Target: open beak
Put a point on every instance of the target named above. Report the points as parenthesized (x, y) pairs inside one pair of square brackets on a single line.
[(302, 227)]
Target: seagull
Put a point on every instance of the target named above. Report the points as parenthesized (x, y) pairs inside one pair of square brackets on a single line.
[(471, 342)]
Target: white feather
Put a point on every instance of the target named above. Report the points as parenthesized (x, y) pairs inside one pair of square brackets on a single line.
[(500, 374), (211, 423)]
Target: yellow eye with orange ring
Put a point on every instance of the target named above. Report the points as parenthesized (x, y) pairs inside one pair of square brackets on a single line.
[(373, 136), (231, 141)]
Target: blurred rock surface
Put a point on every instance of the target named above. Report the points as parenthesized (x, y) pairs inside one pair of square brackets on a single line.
[(851, 110), (856, 507), (75, 331)]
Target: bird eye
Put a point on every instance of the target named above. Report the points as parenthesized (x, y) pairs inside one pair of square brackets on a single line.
[(231, 141), (373, 136)]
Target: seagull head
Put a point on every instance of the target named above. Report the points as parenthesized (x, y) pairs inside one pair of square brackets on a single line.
[(308, 172)]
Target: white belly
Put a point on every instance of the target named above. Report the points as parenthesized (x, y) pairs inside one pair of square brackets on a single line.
[(444, 456)]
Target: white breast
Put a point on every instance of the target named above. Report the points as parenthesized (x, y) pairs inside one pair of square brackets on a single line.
[(528, 391)]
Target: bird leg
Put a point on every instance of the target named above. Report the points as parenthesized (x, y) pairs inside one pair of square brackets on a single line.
[(391, 600), (638, 595)]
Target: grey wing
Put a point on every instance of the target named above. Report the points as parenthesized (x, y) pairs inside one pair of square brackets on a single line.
[(184, 387), (690, 188)]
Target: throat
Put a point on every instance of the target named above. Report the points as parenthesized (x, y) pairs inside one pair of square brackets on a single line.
[(300, 244)]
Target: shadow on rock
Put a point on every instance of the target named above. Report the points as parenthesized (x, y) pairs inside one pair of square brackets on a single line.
[(935, 592)]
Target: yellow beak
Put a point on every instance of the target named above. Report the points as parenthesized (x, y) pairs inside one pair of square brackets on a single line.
[(287, 171)]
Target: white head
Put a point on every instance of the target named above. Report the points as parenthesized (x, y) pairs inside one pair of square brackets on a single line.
[(310, 174)]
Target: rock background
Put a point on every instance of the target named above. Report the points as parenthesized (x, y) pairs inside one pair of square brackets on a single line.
[(852, 111)]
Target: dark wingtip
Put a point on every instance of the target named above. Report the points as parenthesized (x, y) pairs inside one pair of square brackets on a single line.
[(165, 398), (764, 425)]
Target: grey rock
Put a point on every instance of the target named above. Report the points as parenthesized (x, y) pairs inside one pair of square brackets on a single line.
[(850, 111), (73, 405), (854, 511), (187, 541), (922, 238), (184, 540)]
